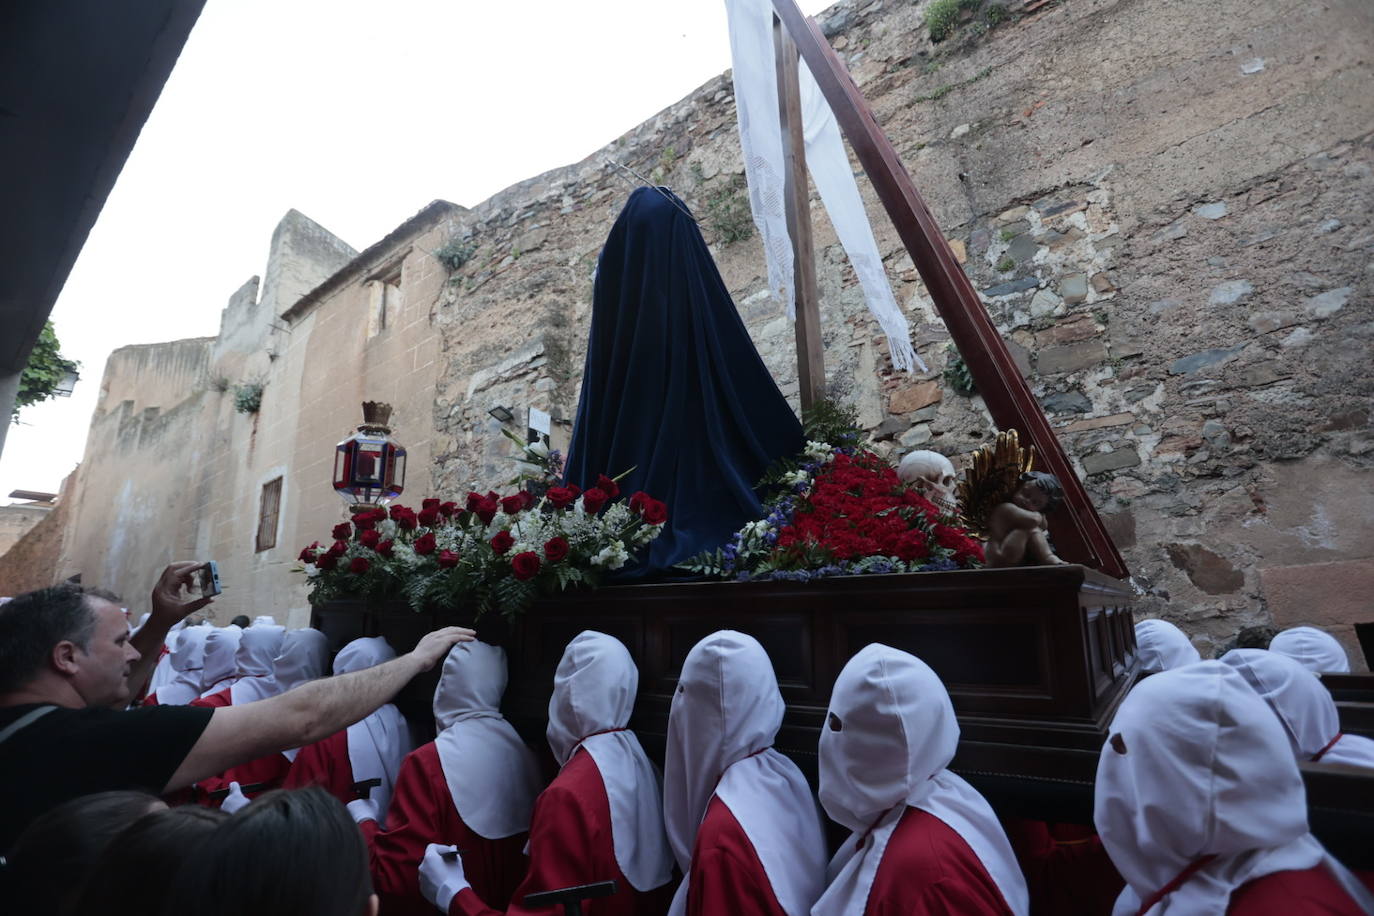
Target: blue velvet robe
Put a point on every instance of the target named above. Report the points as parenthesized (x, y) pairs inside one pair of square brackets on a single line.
[(673, 386)]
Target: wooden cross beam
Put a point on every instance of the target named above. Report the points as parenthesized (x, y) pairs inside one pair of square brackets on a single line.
[(1077, 529)]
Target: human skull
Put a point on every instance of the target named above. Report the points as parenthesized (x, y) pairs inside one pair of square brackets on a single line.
[(931, 473)]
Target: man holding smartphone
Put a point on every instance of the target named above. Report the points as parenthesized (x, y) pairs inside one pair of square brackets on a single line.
[(68, 667)]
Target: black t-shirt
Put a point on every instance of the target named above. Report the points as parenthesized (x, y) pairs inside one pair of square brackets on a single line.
[(72, 752)]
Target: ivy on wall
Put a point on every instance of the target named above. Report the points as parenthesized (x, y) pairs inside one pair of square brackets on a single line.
[(47, 367)]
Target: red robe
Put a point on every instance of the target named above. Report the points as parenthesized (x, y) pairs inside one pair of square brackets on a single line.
[(727, 876), (1067, 869), (325, 764), (421, 813), (214, 700), (1287, 893), (571, 844), (929, 870)]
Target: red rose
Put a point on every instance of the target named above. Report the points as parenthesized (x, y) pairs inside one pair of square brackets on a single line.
[(486, 510), (556, 549), (429, 517), (576, 490), (502, 542), (369, 538), (638, 500), (512, 504), (363, 523), (448, 509), (608, 486), (384, 548), (430, 504), (655, 512), (560, 497), (448, 559), (327, 561), (526, 499), (309, 553), (359, 565), (342, 531), (424, 544), (397, 511), (525, 565), (594, 499), (337, 549), (472, 501), (407, 521)]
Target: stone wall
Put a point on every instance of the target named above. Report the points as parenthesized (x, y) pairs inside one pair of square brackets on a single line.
[(1165, 206), (29, 562)]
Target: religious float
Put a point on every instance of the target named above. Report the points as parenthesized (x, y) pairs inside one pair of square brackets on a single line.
[(1036, 657)]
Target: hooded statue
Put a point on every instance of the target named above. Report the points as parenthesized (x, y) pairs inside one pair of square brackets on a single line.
[(673, 386)]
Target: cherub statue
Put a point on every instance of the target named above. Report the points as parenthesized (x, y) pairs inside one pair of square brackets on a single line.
[(1017, 532), (933, 474), (1006, 502)]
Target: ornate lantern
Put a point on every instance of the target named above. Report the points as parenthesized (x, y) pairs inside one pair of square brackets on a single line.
[(370, 466)]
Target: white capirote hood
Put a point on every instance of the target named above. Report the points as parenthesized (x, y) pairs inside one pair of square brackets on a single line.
[(593, 695), (889, 737), (219, 671), (1197, 765), (492, 776), (725, 715), (378, 743), (1304, 707), (1316, 650), (1163, 646)]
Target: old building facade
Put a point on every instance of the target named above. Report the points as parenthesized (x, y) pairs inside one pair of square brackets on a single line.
[(1166, 208)]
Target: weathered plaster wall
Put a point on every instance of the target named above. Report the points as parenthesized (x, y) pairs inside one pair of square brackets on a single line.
[(29, 562), (18, 520)]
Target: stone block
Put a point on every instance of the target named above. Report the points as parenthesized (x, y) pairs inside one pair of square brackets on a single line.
[(1116, 419), (1267, 322), (1023, 247), (1206, 569), (1080, 327), (918, 435), (1101, 462), (1210, 211), (1043, 304), (1121, 528), (1070, 358), (1019, 285), (1021, 356), (1333, 596), (914, 397), (1230, 292), (1329, 303), (960, 251), (1074, 288), (1205, 358), (1072, 401)]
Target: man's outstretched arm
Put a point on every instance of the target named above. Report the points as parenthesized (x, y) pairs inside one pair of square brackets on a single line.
[(309, 713)]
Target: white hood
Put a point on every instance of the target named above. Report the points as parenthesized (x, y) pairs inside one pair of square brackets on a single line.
[(254, 662), (219, 671), (187, 659), (1316, 650), (725, 715), (377, 744), (593, 695), (492, 777), (1197, 765), (1163, 646), (1303, 705), (889, 737)]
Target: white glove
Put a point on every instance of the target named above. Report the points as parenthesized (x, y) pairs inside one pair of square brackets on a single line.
[(441, 875), (363, 809), (234, 800)]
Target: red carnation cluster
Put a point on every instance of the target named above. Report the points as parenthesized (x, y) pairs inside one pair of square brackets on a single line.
[(858, 508)]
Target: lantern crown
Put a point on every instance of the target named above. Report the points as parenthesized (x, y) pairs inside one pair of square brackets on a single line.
[(376, 415)]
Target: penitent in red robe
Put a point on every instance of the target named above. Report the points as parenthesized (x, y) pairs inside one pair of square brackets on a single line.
[(326, 764), (255, 777), (727, 876), (929, 870), (214, 700), (421, 813), (1067, 869), (571, 844), (1286, 893)]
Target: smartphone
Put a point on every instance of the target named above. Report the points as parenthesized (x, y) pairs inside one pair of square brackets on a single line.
[(209, 580)]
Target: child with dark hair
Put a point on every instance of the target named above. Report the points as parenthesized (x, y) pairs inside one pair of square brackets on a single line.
[(48, 865), (133, 876), (319, 858)]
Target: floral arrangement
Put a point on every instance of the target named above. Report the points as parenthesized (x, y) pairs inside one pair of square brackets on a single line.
[(492, 552), (842, 511)]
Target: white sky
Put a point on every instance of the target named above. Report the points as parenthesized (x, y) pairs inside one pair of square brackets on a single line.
[(357, 114)]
